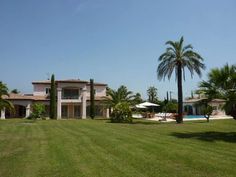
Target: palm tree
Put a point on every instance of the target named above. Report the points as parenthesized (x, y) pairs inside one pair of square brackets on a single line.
[(15, 91), (221, 83), (117, 96), (152, 94), (137, 99), (176, 58), (3, 102)]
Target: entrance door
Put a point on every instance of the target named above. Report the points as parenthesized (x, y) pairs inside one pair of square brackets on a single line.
[(77, 111), (71, 111), (64, 111)]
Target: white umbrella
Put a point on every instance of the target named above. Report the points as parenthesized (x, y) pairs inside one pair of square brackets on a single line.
[(146, 104), (140, 106)]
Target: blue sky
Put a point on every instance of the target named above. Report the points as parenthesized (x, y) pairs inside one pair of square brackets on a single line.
[(113, 41)]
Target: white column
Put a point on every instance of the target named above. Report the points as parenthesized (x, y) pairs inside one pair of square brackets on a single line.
[(27, 111), (58, 103), (84, 99), (107, 113), (194, 110), (3, 113)]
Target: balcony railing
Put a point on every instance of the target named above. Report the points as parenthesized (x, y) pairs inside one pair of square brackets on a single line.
[(75, 97)]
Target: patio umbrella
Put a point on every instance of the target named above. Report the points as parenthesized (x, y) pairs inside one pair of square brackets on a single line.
[(147, 104), (140, 106)]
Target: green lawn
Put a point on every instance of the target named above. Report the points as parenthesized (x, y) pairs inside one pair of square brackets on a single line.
[(97, 148)]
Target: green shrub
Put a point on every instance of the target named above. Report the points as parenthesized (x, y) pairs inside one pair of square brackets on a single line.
[(38, 111), (121, 113), (171, 107), (207, 112)]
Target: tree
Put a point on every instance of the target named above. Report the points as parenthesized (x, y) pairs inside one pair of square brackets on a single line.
[(230, 105), (176, 58), (53, 98), (120, 100), (117, 96), (171, 107), (38, 111), (92, 106), (221, 83), (152, 94), (207, 112), (137, 99), (122, 113), (15, 91), (3, 102)]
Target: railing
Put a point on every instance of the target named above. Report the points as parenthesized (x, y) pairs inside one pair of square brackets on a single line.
[(76, 97)]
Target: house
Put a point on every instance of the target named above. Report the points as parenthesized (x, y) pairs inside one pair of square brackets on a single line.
[(73, 99), (192, 106)]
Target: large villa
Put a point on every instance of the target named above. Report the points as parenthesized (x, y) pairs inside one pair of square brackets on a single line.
[(73, 99)]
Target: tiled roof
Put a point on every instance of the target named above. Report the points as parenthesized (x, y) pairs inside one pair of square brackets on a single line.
[(192, 100), (67, 81), (98, 84), (13, 96)]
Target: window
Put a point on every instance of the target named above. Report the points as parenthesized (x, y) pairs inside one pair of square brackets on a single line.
[(48, 90), (70, 93)]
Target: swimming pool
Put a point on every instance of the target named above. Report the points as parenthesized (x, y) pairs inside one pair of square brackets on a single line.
[(193, 116)]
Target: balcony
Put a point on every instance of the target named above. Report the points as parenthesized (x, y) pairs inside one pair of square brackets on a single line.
[(70, 94)]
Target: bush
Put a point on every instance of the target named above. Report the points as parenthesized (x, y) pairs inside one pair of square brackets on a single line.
[(38, 111), (171, 107), (207, 112), (121, 113)]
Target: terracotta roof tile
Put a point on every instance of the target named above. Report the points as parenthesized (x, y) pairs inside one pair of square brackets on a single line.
[(13, 96), (67, 81)]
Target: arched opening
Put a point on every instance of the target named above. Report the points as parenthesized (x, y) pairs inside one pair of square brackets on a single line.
[(19, 112)]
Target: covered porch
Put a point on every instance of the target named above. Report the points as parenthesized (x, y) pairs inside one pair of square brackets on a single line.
[(71, 111)]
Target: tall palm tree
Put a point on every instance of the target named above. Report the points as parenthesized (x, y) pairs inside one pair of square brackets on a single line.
[(176, 58), (152, 94), (117, 96), (3, 102)]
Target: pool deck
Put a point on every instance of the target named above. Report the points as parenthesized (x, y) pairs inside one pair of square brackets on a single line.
[(186, 119)]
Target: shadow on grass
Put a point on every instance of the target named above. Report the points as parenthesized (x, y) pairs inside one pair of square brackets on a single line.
[(143, 122), (210, 136)]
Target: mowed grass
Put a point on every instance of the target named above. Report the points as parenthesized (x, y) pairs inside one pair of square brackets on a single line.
[(93, 148)]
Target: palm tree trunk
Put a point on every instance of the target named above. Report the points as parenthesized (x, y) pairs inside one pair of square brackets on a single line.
[(180, 96)]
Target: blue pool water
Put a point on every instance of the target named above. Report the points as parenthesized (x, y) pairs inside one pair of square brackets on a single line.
[(193, 116)]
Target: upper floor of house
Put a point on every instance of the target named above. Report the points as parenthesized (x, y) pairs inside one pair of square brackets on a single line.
[(70, 89)]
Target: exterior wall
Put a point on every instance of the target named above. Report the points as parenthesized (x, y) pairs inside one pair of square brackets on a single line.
[(100, 91), (217, 108), (40, 89)]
